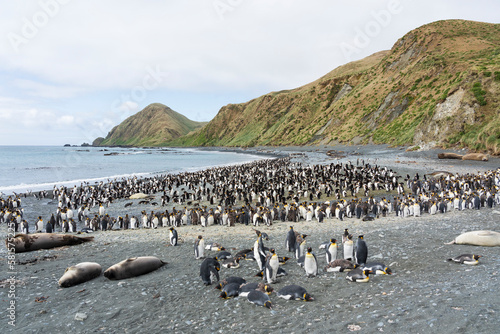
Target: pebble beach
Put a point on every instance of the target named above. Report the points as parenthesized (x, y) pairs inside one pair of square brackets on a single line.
[(425, 294)]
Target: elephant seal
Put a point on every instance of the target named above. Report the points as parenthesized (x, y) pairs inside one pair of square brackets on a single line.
[(475, 156), (139, 196), (449, 155), (82, 272), (36, 241), (134, 266), (477, 238)]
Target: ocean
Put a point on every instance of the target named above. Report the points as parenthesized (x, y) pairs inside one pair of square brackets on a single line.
[(35, 168)]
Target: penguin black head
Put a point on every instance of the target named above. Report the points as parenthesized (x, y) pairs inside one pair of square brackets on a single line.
[(223, 295), (476, 257), (308, 297), (388, 271), (200, 237), (268, 304), (360, 237)]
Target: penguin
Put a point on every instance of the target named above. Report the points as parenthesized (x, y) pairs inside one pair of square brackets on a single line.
[(339, 265), (331, 251), (290, 240), (242, 254), (310, 263), (300, 246), (230, 290), (232, 263), (231, 279), (348, 247), (223, 255), (345, 236), (173, 236), (378, 268), (259, 298), (361, 251), (214, 246), (245, 289), (294, 292), (199, 248), (470, 259), (258, 252), (358, 275), (25, 228), (209, 270), (39, 225), (271, 267)]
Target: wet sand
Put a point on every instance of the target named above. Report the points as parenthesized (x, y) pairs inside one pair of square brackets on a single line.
[(426, 294)]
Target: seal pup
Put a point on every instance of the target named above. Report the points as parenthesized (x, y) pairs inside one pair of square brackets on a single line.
[(132, 267), (36, 241), (79, 273), (294, 292), (470, 259), (477, 238)]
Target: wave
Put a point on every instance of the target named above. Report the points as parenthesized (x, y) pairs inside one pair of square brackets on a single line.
[(22, 187)]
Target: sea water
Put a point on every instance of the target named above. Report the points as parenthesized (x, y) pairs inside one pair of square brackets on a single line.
[(35, 168)]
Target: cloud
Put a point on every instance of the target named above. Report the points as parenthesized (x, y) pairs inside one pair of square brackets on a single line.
[(38, 89), (93, 60)]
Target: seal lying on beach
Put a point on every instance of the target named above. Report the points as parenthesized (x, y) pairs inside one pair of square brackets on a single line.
[(477, 238), (449, 155), (475, 156), (82, 272), (139, 196), (134, 266), (36, 241)]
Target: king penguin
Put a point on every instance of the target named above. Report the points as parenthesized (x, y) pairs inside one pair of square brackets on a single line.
[(209, 270), (290, 240), (199, 248), (310, 263), (348, 247), (470, 259), (294, 292), (259, 298), (331, 251), (271, 267), (259, 253), (361, 251), (173, 236), (358, 275)]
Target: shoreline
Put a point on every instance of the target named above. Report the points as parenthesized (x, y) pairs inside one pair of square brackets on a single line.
[(425, 294)]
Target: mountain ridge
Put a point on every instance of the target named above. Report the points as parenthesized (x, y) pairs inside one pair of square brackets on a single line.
[(437, 86), (151, 126)]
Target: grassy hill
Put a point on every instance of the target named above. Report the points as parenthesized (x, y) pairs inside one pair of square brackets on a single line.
[(151, 126), (438, 85)]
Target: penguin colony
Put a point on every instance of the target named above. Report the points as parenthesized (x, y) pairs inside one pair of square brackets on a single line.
[(258, 193), (278, 189)]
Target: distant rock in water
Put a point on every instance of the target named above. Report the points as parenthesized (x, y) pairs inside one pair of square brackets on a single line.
[(153, 126)]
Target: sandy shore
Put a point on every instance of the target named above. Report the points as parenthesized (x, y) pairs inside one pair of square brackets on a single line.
[(425, 295)]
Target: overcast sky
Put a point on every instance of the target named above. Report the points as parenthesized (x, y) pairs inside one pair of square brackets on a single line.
[(71, 70)]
